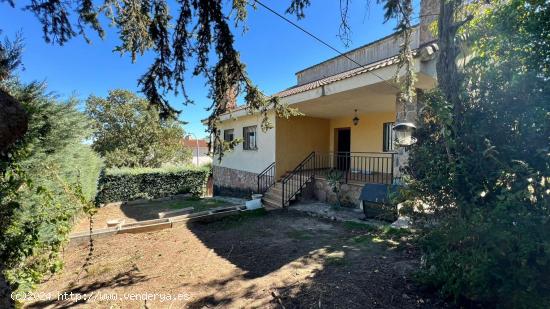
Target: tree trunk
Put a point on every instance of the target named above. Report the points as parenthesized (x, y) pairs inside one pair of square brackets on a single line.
[(450, 81), (13, 120), (448, 75)]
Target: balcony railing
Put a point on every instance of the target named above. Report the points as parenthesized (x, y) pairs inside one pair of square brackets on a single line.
[(370, 167)]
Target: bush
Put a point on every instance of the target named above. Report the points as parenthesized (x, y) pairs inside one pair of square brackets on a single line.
[(46, 179), (498, 258), (486, 184), (128, 184)]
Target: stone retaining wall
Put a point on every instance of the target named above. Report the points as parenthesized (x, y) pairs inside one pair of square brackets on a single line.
[(349, 193), (233, 182)]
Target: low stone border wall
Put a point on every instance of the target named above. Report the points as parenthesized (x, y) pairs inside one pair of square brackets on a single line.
[(156, 224)]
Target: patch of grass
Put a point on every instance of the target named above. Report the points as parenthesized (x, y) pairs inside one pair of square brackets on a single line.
[(299, 234), (335, 260), (392, 232), (355, 226), (387, 241), (198, 204), (361, 239), (240, 219)]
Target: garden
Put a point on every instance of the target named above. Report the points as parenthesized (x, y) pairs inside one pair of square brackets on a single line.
[(255, 259), (476, 186)]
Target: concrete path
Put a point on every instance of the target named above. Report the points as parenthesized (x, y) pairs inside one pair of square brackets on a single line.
[(323, 210)]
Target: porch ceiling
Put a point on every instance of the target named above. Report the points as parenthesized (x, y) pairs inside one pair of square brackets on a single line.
[(373, 98), (379, 97)]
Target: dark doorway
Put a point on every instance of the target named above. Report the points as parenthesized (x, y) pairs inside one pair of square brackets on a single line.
[(343, 146)]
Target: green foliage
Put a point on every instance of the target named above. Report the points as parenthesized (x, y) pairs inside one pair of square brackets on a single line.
[(129, 132), (334, 179), (129, 184), (201, 204), (239, 219), (47, 179), (488, 187)]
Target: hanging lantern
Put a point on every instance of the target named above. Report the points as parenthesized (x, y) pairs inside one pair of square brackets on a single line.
[(355, 119), (404, 133)]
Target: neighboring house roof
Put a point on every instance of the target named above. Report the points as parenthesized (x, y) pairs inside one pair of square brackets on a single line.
[(193, 143), (350, 73)]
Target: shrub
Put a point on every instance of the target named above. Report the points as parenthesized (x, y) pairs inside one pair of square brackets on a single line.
[(487, 183), (44, 180), (127, 184), (497, 257)]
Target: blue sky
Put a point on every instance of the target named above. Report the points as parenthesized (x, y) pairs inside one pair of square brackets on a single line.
[(272, 49)]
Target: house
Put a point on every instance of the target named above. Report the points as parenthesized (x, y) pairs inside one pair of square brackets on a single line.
[(349, 112), (199, 149)]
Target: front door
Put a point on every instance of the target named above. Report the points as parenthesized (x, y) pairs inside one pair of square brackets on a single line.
[(343, 146)]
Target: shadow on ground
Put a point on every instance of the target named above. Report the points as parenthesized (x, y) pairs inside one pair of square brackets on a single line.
[(127, 278), (307, 262), (146, 211)]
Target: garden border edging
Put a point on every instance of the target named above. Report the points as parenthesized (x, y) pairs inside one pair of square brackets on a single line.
[(155, 224)]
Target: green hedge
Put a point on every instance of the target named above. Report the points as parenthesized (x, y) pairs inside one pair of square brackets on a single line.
[(127, 184)]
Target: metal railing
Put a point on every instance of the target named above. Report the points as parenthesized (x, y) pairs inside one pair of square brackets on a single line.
[(369, 167), (266, 178), (373, 167), (294, 181)]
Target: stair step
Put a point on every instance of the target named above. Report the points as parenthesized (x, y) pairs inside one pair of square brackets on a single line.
[(272, 201), (270, 204), (277, 190), (273, 196)]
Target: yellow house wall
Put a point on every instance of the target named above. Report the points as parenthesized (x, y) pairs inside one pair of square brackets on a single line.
[(367, 135), (297, 137)]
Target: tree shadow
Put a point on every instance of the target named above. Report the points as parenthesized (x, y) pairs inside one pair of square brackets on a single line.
[(122, 279), (258, 245), (343, 271), (145, 211)]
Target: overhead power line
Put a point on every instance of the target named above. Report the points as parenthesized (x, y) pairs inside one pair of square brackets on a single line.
[(321, 41)]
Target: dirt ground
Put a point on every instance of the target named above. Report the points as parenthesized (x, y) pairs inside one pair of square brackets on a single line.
[(144, 211), (282, 259)]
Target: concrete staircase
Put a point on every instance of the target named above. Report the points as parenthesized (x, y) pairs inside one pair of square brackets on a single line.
[(294, 182), (273, 198)]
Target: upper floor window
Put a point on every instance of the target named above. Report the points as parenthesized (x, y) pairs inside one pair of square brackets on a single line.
[(388, 137), (249, 138), (228, 135)]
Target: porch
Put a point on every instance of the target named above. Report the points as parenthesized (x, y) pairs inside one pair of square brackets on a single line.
[(353, 171), (350, 132), (356, 167)]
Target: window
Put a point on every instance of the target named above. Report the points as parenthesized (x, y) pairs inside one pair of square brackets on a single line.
[(249, 137), (228, 135), (388, 137)]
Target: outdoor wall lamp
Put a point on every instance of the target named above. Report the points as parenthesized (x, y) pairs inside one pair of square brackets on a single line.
[(404, 133), (355, 119)]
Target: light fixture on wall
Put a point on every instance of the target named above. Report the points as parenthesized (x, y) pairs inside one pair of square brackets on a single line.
[(355, 119), (404, 133)]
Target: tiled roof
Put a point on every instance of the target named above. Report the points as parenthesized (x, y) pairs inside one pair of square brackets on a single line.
[(193, 143), (340, 76), (426, 50)]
